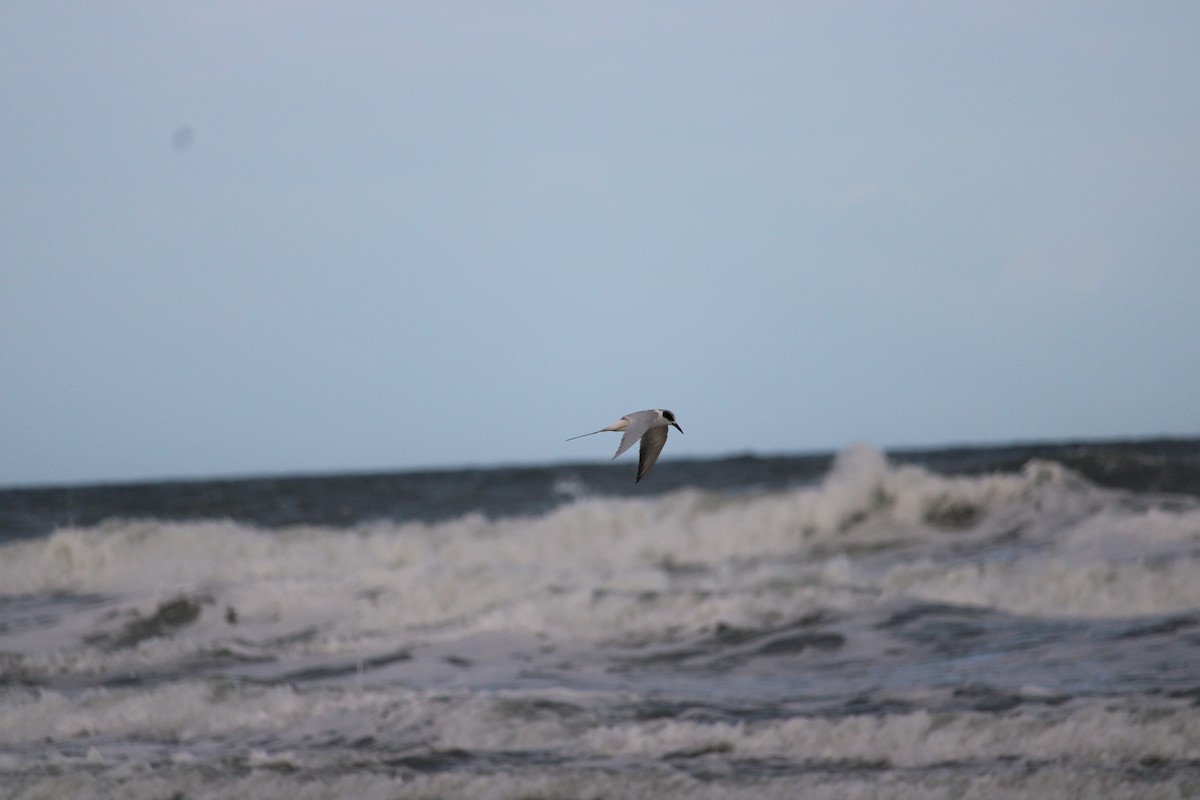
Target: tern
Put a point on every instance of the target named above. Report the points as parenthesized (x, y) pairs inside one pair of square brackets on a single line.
[(650, 426)]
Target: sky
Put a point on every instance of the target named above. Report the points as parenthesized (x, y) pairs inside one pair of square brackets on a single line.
[(296, 237)]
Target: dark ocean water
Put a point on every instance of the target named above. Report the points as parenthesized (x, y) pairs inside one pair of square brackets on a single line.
[(1156, 466), (975, 622)]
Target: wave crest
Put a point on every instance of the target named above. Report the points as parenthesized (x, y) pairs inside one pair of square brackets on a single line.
[(1038, 541)]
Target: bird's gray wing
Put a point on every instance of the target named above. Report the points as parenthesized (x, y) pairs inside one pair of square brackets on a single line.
[(639, 421), (652, 445)]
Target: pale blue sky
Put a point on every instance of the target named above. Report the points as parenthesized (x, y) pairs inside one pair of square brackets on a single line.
[(398, 235)]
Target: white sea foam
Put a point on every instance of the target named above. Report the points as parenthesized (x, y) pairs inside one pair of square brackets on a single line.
[(1056, 585), (195, 717), (531, 653), (1039, 542), (657, 783), (207, 722)]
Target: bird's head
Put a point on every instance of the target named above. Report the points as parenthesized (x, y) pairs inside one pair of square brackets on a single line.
[(669, 418)]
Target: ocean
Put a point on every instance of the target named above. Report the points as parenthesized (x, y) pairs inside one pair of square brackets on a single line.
[(988, 622)]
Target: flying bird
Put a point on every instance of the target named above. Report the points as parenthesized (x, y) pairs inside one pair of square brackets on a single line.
[(649, 426)]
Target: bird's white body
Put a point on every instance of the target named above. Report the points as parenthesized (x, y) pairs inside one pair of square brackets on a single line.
[(650, 426)]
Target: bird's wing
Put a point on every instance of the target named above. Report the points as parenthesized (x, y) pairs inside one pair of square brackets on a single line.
[(638, 422), (652, 445)]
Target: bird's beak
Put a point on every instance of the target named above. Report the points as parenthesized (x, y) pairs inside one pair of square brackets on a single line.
[(676, 424)]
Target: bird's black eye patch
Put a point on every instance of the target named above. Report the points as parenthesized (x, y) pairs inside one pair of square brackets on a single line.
[(670, 417)]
